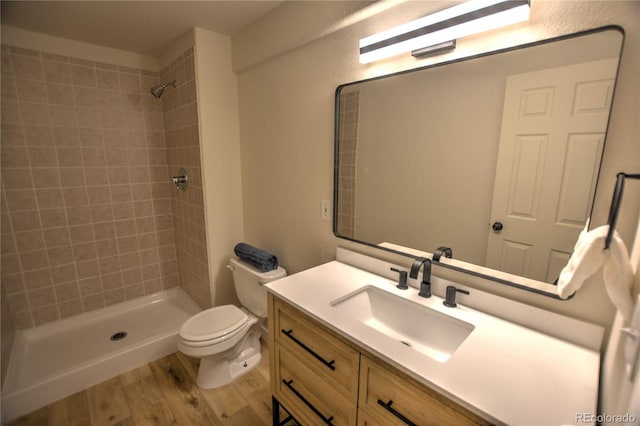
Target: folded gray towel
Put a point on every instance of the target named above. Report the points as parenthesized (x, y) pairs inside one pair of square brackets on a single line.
[(256, 257)]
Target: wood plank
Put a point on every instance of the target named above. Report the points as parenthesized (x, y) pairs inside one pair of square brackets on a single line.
[(255, 389), (190, 364), (271, 326), (147, 403), (37, 418), (107, 403), (136, 374), (245, 417), (261, 404), (224, 401), (70, 411), (249, 383), (143, 392), (155, 414), (126, 422), (184, 399), (164, 394)]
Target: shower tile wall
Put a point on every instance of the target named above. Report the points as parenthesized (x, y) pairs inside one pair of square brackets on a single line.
[(8, 333), (348, 141), (183, 150), (86, 201)]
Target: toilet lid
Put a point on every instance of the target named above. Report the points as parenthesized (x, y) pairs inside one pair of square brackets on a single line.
[(213, 323)]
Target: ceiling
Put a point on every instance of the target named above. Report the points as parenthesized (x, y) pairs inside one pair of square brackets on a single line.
[(144, 27)]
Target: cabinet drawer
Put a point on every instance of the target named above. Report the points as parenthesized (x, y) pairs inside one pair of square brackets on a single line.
[(394, 399), (309, 398), (325, 354)]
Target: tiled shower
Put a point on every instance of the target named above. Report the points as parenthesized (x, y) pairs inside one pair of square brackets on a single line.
[(348, 141), (183, 150), (89, 216)]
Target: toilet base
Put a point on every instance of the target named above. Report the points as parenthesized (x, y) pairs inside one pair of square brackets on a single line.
[(219, 370)]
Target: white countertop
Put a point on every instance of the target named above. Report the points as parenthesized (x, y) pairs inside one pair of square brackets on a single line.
[(504, 372)]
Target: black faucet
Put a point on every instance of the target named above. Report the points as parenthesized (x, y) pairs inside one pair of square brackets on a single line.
[(437, 254), (450, 296), (425, 284)]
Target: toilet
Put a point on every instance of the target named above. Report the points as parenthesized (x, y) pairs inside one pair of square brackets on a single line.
[(227, 338)]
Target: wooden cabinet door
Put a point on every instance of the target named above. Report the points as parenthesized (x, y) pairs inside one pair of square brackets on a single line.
[(327, 355), (307, 396), (392, 399)]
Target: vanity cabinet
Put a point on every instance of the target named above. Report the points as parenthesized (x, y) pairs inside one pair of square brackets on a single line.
[(388, 397), (314, 373), (321, 378)]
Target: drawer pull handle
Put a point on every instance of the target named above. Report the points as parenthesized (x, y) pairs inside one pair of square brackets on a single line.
[(387, 406), (289, 384), (290, 335)]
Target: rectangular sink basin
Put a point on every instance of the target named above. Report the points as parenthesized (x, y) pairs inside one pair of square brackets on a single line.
[(423, 329)]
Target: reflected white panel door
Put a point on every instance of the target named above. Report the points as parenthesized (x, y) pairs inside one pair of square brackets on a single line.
[(551, 141)]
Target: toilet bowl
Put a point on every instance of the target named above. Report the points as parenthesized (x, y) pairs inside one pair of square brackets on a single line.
[(227, 338)]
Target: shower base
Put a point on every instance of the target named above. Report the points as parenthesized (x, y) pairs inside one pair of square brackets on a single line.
[(58, 359)]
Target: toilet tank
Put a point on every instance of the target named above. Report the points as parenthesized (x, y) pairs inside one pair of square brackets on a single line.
[(249, 283)]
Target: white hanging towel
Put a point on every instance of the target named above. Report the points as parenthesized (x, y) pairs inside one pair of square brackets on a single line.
[(589, 256)]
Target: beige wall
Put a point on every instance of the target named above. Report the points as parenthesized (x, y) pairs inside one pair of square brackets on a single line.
[(86, 210), (220, 150), (453, 204), (286, 122)]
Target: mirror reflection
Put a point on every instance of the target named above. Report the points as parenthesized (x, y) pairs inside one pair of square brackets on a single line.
[(496, 156)]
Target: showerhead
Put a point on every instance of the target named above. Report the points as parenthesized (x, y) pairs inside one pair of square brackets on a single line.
[(157, 91)]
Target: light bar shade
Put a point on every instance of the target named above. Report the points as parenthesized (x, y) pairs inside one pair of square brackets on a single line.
[(465, 19)]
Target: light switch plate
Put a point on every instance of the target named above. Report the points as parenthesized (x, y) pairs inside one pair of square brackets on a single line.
[(326, 210)]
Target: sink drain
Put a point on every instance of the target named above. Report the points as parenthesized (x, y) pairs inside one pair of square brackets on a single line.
[(119, 335), (405, 343)]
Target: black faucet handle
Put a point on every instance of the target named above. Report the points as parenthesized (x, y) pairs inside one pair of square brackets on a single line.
[(450, 296), (402, 281)]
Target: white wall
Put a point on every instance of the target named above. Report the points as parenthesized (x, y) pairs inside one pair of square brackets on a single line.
[(617, 389), (287, 119), (220, 152)]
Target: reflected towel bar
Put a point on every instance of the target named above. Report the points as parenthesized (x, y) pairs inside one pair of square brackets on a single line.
[(615, 205)]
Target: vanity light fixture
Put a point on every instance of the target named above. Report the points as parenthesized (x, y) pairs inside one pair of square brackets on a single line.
[(445, 26)]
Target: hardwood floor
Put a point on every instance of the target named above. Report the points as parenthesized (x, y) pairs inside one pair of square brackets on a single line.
[(164, 392)]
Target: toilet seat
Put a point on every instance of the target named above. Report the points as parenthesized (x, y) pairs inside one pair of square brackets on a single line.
[(213, 326)]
